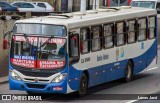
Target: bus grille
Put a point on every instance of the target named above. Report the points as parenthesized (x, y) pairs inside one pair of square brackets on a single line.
[(39, 86), (36, 74)]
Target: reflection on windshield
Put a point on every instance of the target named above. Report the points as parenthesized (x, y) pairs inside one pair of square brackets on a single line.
[(41, 29), (145, 4), (35, 55)]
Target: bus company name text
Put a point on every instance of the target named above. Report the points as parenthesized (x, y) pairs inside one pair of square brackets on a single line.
[(102, 57)]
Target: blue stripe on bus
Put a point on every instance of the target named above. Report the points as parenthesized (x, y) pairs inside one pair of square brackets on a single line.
[(108, 72)]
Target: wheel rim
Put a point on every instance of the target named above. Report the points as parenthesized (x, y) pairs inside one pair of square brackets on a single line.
[(128, 72), (83, 85)]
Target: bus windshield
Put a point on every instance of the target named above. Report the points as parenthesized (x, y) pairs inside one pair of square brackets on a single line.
[(145, 4), (38, 52), (40, 29)]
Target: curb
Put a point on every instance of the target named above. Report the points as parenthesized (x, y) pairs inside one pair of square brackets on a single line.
[(3, 80)]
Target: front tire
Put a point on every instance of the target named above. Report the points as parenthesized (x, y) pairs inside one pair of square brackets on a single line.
[(83, 85), (129, 72)]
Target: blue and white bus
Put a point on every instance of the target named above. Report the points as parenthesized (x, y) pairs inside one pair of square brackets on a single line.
[(72, 52)]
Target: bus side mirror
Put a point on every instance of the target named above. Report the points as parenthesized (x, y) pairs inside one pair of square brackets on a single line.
[(5, 44)]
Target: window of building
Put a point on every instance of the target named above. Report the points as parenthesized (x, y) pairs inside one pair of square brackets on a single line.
[(120, 33), (151, 27), (96, 38), (108, 35), (85, 40), (76, 5), (131, 31), (142, 29)]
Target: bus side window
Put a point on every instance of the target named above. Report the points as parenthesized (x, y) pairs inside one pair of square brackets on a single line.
[(96, 40), (108, 35), (85, 40), (74, 48), (151, 27), (120, 33), (142, 27), (131, 31)]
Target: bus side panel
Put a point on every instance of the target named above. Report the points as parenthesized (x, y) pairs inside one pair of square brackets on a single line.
[(74, 78), (106, 73), (152, 53), (141, 62)]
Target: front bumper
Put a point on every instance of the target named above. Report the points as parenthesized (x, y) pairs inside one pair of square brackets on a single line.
[(38, 87)]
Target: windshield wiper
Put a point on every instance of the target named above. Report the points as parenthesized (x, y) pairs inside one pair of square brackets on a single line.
[(47, 41)]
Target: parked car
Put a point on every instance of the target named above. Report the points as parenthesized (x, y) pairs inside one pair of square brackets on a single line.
[(7, 7), (152, 4), (28, 7), (45, 5)]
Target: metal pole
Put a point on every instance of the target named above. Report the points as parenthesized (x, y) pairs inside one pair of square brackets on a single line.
[(118, 2), (83, 5), (95, 4)]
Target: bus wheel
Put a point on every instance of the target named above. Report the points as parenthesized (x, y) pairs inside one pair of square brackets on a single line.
[(83, 85), (128, 72)]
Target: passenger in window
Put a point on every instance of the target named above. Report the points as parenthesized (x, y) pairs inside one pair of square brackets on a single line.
[(131, 37), (108, 42), (142, 35), (84, 47)]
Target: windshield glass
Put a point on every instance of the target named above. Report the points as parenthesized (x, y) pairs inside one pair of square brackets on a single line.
[(40, 29), (145, 4), (38, 52)]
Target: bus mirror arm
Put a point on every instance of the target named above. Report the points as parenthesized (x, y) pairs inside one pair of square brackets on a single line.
[(7, 33)]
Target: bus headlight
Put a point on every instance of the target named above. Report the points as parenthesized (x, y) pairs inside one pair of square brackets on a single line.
[(14, 75), (59, 78)]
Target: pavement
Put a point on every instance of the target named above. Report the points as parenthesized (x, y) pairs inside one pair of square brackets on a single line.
[(4, 80)]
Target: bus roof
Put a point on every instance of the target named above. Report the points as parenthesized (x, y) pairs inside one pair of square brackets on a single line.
[(92, 18)]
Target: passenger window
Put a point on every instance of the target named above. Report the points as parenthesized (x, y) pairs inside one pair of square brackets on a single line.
[(85, 40), (96, 38), (108, 35), (131, 31), (27, 5), (151, 27), (142, 29), (120, 33), (41, 5), (74, 48)]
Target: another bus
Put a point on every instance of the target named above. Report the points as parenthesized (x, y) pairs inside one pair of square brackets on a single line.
[(72, 52), (152, 4)]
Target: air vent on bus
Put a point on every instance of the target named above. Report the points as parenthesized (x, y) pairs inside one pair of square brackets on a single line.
[(103, 10), (92, 12), (125, 7), (80, 13), (61, 16), (112, 9)]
